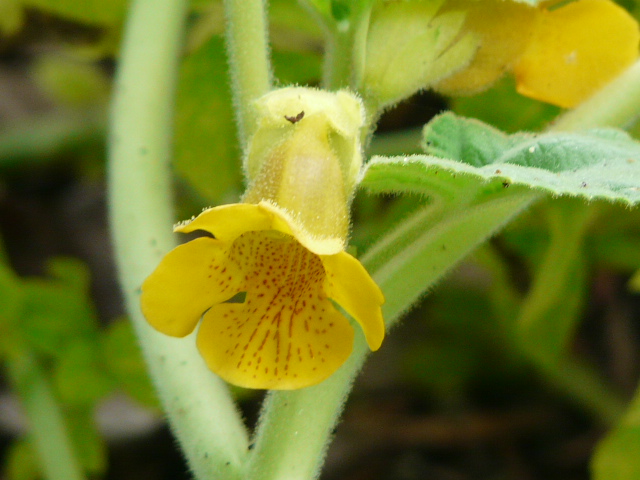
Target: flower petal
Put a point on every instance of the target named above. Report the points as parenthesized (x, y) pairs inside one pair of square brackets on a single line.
[(189, 280), (275, 343), (575, 50), (349, 284), (228, 222), (503, 29)]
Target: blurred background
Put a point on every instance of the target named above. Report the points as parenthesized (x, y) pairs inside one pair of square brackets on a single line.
[(447, 397)]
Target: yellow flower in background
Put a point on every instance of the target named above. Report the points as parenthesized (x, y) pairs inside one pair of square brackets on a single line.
[(502, 30), (575, 50), (558, 55), (266, 281)]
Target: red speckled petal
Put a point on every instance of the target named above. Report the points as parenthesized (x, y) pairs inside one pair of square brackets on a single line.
[(228, 222), (286, 334)]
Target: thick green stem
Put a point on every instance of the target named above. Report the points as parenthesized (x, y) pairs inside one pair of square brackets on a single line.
[(200, 409), (248, 50), (615, 105), (47, 428)]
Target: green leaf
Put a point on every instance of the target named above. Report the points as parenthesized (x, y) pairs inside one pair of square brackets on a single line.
[(11, 17), (616, 457), (601, 164), (124, 362), (293, 28), (87, 441), (206, 153), (71, 82), (71, 272), (79, 376), (12, 301), (57, 310), (296, 68), (97, 12), (21, 462)]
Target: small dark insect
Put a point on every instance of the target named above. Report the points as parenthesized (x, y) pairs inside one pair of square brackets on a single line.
[(505, 184), (583, 184), (295, 119)]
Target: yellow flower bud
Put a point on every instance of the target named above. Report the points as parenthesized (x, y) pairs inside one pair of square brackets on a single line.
[(305, 158), (411, 45)]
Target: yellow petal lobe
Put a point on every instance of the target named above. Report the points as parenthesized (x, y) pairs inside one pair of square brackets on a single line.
[(575, 50), (228, 222), (503, 29), (189, 280), (348, 283), (286, 334)]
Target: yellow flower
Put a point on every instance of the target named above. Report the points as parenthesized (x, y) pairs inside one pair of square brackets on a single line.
[(267, 279), (575, 50), (560, 55), (502, 29)]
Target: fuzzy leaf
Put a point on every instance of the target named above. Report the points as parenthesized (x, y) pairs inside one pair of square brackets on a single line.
[(601, 164)]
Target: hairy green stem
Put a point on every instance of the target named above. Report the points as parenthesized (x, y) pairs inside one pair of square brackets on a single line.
[(346, 49), (200, 409), (249, 65), (46, 424), (615, 105)]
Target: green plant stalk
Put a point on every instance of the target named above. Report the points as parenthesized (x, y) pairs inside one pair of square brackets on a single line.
[(551, 299), (568, 221), (249, 65), (346, 49), (577, 381), (296, 426), (617, 104), (47, 427), (200, 409)]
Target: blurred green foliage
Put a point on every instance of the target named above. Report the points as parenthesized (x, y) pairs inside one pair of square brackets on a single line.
[(495, 330), (53, 317)]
